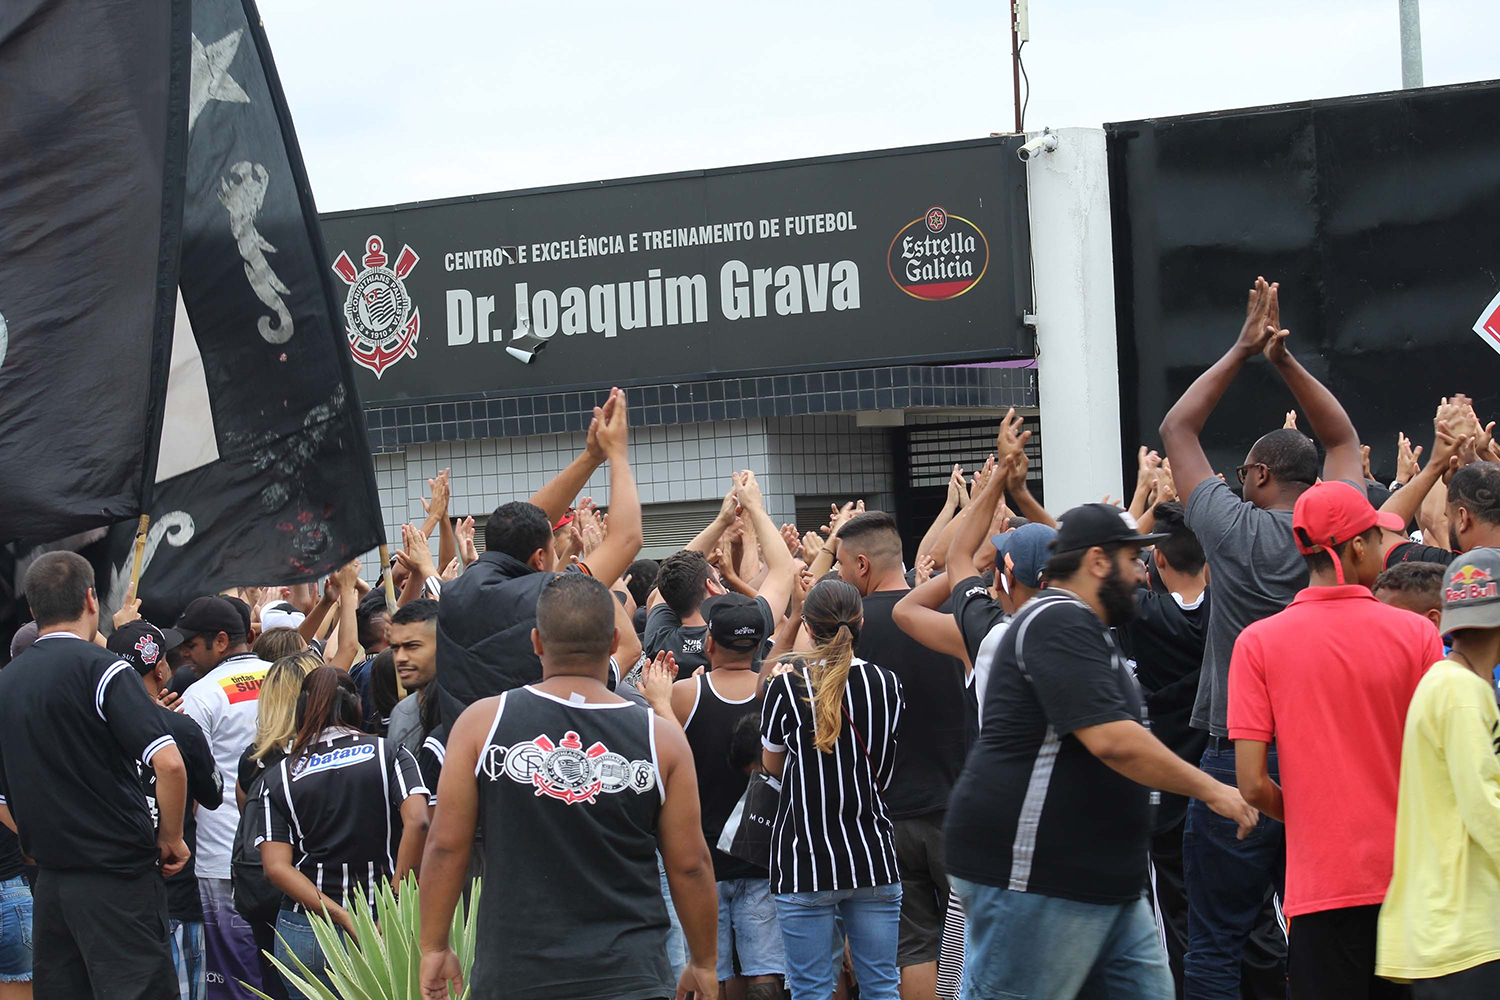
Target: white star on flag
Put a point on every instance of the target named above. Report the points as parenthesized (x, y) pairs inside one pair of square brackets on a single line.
[(211, 80)]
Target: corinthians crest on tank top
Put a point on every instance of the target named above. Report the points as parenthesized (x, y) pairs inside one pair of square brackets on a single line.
[(570, 794)]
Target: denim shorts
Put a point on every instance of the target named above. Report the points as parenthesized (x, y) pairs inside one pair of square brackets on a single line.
[(15, 931), (748, 929)]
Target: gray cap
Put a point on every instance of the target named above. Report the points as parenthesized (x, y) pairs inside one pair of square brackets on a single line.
[(24, 637), (1029, 549), (1471, 591)]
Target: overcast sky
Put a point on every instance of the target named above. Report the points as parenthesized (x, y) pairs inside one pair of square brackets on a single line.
[(401, 101)]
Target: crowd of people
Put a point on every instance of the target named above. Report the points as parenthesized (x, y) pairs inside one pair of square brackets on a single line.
[(1237, 737)]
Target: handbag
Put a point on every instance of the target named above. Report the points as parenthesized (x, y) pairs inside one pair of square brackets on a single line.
[(747, 831)]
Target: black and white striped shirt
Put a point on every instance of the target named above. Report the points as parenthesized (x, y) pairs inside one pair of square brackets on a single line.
[(339, 806), (832, 829)]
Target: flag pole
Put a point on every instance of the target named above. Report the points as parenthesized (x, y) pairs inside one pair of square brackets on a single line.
[(140, 553)]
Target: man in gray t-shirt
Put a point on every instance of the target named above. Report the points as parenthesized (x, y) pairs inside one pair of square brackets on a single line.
[(1256, 571)]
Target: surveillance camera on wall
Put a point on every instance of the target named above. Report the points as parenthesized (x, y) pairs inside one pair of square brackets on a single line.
[(1044, 143)]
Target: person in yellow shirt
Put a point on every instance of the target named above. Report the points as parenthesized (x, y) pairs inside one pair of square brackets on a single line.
[(1440, 924)]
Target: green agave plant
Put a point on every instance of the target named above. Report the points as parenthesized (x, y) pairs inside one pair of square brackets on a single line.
[(383, 959)]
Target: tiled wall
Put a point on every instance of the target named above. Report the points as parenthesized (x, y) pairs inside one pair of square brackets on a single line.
[(682, 462)]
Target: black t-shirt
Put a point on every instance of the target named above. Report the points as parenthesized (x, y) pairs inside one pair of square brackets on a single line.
[(205, 787), (1166, 641), (977, 614), (74, 719), (339, 806), (1034, 811), (665, 631), (934, 729), (12, 864), (1414, 552)]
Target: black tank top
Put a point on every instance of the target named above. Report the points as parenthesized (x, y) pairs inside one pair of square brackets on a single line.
[(569, 796), (709, 729)]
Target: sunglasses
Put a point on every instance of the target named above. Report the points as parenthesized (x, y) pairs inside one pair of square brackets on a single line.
[(1240, 471)]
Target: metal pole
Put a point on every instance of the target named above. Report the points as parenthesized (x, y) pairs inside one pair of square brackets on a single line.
[(1015, 61), (1411, 44)]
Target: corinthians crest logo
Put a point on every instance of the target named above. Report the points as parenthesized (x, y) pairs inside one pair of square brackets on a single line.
[(381, 323), (566, 770)]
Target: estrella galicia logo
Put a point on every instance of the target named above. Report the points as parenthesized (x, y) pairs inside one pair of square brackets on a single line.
[(939, 256), (331, 760), (381, 321)]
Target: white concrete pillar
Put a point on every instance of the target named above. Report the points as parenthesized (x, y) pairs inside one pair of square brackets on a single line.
[(1078, 378)]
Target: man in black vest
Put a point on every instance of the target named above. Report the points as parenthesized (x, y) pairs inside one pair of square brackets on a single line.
[(575, 788), (486, 615), (73, 723)]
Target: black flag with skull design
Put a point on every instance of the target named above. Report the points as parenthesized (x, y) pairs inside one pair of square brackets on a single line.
[(265, 474)]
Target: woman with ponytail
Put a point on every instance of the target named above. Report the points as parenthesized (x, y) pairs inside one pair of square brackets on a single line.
[(341, 811), (829, 732)]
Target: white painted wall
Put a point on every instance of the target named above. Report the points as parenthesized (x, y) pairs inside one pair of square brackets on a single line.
[(1078, 366)]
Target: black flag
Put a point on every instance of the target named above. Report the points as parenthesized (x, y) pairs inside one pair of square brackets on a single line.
[(93, 132), (265, 474)]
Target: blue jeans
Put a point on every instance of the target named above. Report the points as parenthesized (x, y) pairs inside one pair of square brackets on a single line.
[(1026, 946), (814, 948), (15, 931), (294, 936), (676, 943), (748, 928), (1227, 879), (187, 958)]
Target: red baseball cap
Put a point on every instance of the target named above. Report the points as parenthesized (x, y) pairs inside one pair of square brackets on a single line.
[(1330, 514)]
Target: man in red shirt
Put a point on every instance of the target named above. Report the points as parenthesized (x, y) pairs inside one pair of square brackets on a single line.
[(1329, 680)]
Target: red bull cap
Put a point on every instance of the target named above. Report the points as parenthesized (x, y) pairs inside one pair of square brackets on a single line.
[(1471, 591)]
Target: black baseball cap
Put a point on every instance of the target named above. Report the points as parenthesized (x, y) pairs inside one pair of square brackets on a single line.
[(1099, 524), (143, 644), (210, 616), (737, 623)]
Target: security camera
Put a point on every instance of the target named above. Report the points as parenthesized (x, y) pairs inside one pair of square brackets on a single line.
[(1044, 143)]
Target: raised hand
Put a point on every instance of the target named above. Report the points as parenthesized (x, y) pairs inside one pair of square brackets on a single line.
[(1291, 421), (925, 565), (792, 538), (1148, 465), (1364, 456), (1166, 489), (1406, 458), (130, 610), (464, 532), (416, 552), (1011, 440), (958, 488), (1256, 333), (812, 545), (440, 490), (749, 489), (454, 568), (614, 428), (656, 682), (841, 516), (982, 477)]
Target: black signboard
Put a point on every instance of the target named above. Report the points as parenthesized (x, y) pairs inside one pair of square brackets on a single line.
[(895, 256), (1378, 214)]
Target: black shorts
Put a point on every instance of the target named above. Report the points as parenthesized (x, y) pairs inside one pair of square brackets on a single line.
[(1331, 956), (1482, 982), (98, 934), (924, 888)]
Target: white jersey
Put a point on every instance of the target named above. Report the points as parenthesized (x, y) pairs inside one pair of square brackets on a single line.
[(224, 703)]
